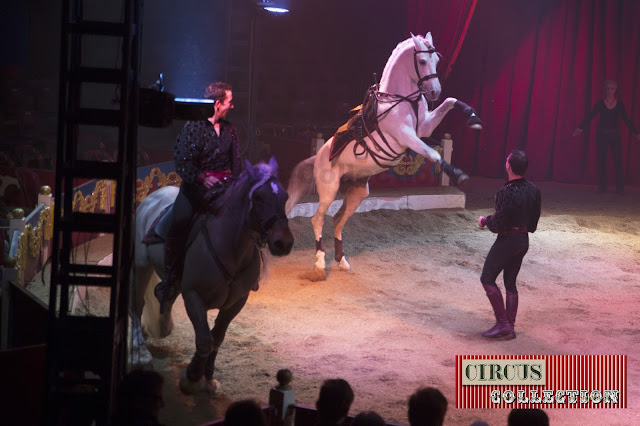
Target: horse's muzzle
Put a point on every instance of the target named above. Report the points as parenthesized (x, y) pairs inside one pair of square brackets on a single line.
[(279, 238)]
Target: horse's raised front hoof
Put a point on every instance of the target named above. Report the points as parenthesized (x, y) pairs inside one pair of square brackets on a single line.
[(344, 265), (211, 387), (189, 387), (461, 179), (474, 122)]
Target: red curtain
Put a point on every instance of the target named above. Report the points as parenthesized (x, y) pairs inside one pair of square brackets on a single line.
[(533, 70), (447, 21)]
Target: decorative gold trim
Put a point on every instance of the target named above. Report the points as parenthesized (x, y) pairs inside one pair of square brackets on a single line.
[(43, 228), (97, 200), (21, 258), (411, 167), (144, 186)]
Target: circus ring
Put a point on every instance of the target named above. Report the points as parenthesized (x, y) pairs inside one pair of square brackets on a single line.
[(414, 301)]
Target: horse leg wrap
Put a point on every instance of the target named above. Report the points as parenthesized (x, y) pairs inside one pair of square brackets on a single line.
[(210, 365), (195, 369), (472, 118), (319, 245), (339, 251), (464, 108), (457, 176)]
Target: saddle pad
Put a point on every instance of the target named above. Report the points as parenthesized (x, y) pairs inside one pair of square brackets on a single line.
[(353, 129), (154, 236)]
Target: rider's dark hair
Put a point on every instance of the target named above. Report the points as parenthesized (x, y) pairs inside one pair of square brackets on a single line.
[(217, 91), (518, 161)]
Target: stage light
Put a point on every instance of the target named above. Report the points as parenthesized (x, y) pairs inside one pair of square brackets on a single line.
[(159, 108), (274, 6)]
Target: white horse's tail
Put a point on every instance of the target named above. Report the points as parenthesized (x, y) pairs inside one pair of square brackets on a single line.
[(300, 183)]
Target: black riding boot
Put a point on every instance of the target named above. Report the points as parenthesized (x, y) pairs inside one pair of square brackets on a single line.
[(166, 291), (512, 309), (457, 176), (502, 327)]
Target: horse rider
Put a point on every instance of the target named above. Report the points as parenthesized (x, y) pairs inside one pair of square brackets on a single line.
[(207, 156), (517, 211)]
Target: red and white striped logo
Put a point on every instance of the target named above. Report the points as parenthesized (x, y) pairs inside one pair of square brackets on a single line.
[(541, 381)]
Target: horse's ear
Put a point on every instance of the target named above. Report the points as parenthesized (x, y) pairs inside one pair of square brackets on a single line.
[(418, 43), (249, 168), (428, 38), (274, 166)]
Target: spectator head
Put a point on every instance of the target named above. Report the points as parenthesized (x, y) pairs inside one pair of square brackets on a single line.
[(427, 407), (334, 401), (368, 418), (245, 412), (527, 417), (518, 162), (140, 396)]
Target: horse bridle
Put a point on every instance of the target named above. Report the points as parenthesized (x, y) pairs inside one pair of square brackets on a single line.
[(415, 64), (265, 225)]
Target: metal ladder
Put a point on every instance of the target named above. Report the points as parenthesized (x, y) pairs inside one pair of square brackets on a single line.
[(86, 355)]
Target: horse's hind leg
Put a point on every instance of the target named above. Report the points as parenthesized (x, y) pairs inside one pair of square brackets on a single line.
[(197, 312), (218, 332), (355, 192), (328, 183)]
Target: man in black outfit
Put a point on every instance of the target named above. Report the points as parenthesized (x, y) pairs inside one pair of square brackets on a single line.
[(207, 157), (517, 204)]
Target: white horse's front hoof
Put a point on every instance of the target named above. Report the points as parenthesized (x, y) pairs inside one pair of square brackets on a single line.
[(344, 265), (320, 264), (211, 387), (188, 387)]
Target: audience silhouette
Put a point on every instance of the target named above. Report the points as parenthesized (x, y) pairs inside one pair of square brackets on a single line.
[(427, 407), (245, 412), (333, 402), (139, 399)]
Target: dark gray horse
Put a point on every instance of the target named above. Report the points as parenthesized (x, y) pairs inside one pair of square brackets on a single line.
[(222, 264)]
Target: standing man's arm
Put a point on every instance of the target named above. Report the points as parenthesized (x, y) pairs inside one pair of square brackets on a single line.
[(535, 211), (499, 221)]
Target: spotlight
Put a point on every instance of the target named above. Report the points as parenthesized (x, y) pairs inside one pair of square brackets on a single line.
[(274, 6)]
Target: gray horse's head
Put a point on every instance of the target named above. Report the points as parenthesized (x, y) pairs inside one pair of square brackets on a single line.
[(267, 198)]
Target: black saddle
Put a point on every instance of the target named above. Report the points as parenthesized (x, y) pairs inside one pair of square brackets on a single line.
[(157, 233)]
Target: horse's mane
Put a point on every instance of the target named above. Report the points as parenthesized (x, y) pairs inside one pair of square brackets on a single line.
[(400, 49), (243, 184), (236, 200)]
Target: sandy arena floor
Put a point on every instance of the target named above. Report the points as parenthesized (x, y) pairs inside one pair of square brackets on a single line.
[(414, 301)]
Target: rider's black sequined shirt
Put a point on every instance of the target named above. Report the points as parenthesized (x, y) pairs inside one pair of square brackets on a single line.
[(199, 149), (518, 203)]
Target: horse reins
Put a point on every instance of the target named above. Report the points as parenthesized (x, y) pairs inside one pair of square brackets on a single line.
[(412, 98), (260, 241)]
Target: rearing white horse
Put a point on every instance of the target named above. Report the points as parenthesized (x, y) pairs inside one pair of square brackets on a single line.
[(392, 120)]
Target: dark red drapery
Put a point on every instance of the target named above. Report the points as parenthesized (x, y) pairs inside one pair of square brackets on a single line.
[(447, 21), (532, 70)]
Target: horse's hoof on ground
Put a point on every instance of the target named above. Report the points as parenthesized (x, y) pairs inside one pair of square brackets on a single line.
[(188, 387), (344, 265), (211, 387), (320, 264)]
